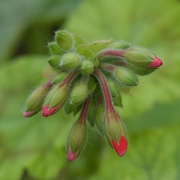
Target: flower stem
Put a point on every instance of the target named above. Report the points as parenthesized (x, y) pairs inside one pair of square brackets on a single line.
[(111, 52), (69, 78), (107, 96), (84, 111)]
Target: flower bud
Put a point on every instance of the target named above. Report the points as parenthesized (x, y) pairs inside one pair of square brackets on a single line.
[(142, 57), (78, 40), (36, 99), (92, 112), (85, 51), (54, 48), (54, 61), (76, 140), (92, 84), (125, 76), (99, 117), (97, 46), (64, 39), (119, 45), (115, 132), (87, 67), (55, 99), (59, 77), (70, 61), (72, 108), (140, 70), (117, 100), (79, 93)]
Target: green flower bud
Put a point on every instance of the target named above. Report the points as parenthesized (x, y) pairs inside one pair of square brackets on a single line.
[(97, 46), (64, 39), (99, 116), (119, 45), (76, 140), (72, 108), (139, 56), (115, 132), (36, 99), (115, 92), (78, 40), (125, 76), (70, 61), (92, 84), (140, 70), (57, 96), (54, 61), (92, 112), (112, 87), (117, 100), (87, 67), (79, 93), (85, 51), (55, 49), (58, 78)]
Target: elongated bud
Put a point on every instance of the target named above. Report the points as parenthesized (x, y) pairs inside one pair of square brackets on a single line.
[(77, 136), (97, 46), (36, 99), (59, 77), (99, 116), (70, 61), (125, 76), (55, 99), (64, 39), (92, 112), (79, 93), (55, 49), (119, 45), (115, 92), (92, 84), (87, 67), (115, 132), (142, 57), (76, 140), (57, 96)]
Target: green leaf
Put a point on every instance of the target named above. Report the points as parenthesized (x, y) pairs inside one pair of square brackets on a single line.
[(35, 144), (153, 154)]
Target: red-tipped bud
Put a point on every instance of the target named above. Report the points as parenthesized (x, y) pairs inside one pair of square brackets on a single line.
[(115, 132), (142, 57), (76, 140), (36, 99), (156, 63), (72, 156), (121, 146), (47, 111)]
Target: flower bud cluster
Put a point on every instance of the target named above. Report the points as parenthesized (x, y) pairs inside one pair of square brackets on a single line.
[(88, 80)]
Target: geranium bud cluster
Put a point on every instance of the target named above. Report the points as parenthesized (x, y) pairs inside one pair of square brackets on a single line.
[(88, 81)]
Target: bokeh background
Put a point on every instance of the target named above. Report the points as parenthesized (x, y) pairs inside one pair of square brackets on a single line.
[(34, 148)]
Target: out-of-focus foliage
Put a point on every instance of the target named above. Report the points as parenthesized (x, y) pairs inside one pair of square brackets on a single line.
[(34, 147), (35, 18)]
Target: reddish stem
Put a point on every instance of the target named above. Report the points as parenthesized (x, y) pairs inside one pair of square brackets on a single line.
[(84, 111), (69, 78), (107, 96), (111, 52)]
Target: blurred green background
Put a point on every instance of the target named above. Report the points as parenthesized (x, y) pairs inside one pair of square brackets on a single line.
[(33, 148)]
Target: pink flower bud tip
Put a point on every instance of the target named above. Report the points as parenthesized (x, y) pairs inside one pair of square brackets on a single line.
[(156, 63), (47, 111), (28, 114), (71, 156), (120, 147)]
